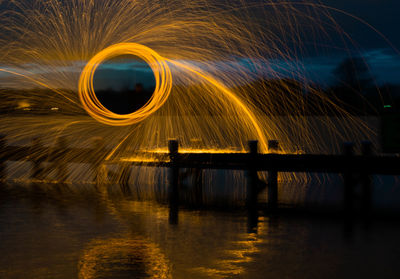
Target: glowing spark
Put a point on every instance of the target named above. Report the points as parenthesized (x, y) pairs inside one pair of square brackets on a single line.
[(216, 68), (162, 75)]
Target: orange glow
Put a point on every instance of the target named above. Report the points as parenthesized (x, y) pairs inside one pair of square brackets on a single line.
[(163, 78), (217, 68), (162, 90), (196, 150), (100, 258)]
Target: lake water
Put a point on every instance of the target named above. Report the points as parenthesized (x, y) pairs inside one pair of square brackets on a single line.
[(86, 231)]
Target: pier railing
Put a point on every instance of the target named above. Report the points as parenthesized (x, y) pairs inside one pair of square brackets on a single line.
[(355, 169)]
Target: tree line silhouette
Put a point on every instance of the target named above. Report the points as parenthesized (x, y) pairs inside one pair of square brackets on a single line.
[(354, 92)]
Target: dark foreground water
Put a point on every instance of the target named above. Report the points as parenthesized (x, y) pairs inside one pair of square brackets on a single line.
[(55, 231)]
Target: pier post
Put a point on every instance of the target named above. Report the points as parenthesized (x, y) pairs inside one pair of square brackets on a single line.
[(348, 177), (252, 187), (366, 181), (173, 147), (252, 191), (2, 158), (198, 186), (273, 146), (197, 176)]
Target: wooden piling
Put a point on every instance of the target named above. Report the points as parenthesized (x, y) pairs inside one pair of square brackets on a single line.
[(348, 179), (252, 193), (273, 146), (252, 190), (366, 181), (173, 147), (198, 186), (197, 176)]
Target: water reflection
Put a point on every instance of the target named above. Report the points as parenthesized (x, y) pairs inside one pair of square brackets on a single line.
[(201, 246), (123, 258), (88, 231), (97, 232)]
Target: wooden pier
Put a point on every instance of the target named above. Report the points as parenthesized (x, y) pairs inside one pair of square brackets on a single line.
[(355, 169)]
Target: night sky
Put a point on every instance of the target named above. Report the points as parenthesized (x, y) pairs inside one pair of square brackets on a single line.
[(383, 60), (382, 15)]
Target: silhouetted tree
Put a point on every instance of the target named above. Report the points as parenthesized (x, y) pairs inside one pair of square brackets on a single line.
[(354, 82), (353, 72)]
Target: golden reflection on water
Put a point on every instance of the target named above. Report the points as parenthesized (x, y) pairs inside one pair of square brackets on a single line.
[(125, 256), (242, 251), (131, 239), (63, 232), (191, 254)]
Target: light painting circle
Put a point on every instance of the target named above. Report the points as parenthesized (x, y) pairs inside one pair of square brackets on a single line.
[(163, 84)]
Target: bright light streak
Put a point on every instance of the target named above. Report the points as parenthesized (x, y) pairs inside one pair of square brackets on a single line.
[(98, 111)]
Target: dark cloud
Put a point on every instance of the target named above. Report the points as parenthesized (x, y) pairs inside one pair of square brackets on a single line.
[(381, 14)]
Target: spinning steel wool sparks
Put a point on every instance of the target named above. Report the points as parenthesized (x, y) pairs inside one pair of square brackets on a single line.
[(207, 59), (162, 75)]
